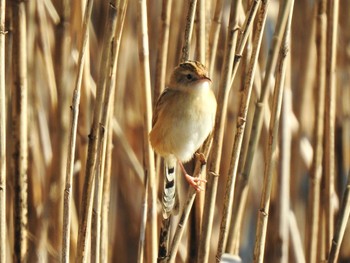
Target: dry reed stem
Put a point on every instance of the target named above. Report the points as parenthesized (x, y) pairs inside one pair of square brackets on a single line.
[(20, 131), (271, 154), (3, 111), (296, 243), (342, 221), (96, 136), (218, 133), (162, 53), (147, 124), (214, 35), (245, 32), (107, 117), (242, 180), (141, 246), (329, 140), (201, 32), (317, 169), (67, 209), (281, 236), (188, 30), (241, 124)]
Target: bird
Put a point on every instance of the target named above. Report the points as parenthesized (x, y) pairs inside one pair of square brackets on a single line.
[(184, 116)]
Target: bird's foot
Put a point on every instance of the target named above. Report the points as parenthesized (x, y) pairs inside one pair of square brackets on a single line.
[(195, 182)]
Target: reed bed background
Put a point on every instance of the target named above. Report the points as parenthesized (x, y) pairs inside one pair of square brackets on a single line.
[(79, 181)]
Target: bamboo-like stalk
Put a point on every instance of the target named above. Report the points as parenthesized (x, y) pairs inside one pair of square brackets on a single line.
[(141, 247), (67, 209), (241, 124), (214, 35), (20, 131), (163, 42), (283, 180), (342, 222), (147, 123), (188, 30), (242, 180), (201, 32), (3, 236), (214, 163), (329, 140), (317, 169), (96, 136), (271, 146)]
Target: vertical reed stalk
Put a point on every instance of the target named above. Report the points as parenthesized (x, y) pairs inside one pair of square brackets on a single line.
[(162, 54), (316, 174), (201, 31), (281, 236), (218, 133), (20, 131), (342, 222), (214, 35), (241, 124), (97, 134), (242, 180), (271, 154), (329, 140), (147, 123), (188, 30), (67, 204), (3, 236)]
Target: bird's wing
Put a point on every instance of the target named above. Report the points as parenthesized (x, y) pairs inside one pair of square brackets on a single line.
[(166, 94)]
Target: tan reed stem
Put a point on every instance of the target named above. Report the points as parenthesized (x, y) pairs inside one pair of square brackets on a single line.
[(281, 235), (218, 133), (241, 124), (67, 209), (329, 140), (201, 31), (20, 131), (342, 222), (162, 54), (317, 169), (147, 123), (3, 236), (214, 35), (141, 247), (97, 133), (271, 155), (188, 30), (242, 180)]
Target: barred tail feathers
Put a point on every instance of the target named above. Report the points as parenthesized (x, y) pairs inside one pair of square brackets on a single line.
[(169, 191)]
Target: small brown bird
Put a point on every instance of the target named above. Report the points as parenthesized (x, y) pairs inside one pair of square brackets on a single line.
[(183, 118)]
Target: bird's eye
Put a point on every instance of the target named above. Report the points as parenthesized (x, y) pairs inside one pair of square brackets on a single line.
[(189, 76)]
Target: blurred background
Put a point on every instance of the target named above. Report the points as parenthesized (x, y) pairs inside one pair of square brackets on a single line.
[(52, 39)]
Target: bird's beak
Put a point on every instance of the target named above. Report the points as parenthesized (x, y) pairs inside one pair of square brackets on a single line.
[(207, 78)]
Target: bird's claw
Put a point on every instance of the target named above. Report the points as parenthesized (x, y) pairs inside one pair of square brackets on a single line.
[(195, 182)]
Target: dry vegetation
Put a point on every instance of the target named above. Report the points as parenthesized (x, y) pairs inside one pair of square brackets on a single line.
[(78, 179)]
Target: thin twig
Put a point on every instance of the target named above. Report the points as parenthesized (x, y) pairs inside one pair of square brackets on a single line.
[(147, 123), (3, 236), (329, 140), (72, 140), (96, 136), (188, 30), (20, 131), (316, 174), (342, 222)]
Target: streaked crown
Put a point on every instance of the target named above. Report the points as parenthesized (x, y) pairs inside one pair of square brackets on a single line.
[(188, 73)]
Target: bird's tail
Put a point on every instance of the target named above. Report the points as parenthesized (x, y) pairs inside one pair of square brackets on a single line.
[(169, 191)]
